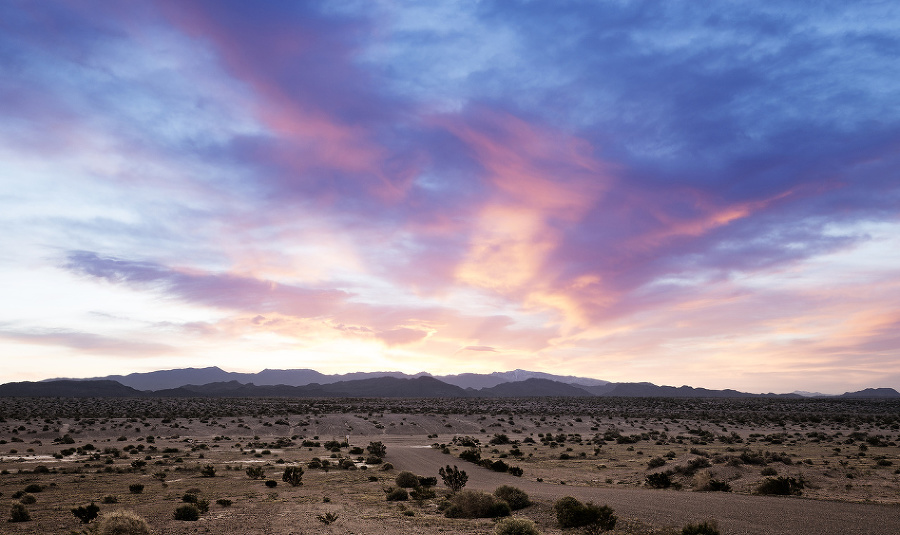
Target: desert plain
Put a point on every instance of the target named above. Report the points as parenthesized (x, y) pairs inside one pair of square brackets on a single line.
[(751, 466)]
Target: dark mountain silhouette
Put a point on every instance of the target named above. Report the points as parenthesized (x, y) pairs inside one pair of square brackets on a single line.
[(651, 390), (173, 379), (68, 389), (372, 385), (533, 388), (478, 381), (375, 387), (872, 393)]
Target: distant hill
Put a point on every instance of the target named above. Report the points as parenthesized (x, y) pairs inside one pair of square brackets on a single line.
[(173, 379), (215, 382), (68, 389), (533, 387), (872, 393)]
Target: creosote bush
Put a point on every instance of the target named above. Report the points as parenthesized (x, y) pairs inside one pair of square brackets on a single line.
[(122, 523), (474, 504), (707, 527), (86, 513), (395, 494), (19, 513), (406, 480), (571, 513), (780, 485), (515, 497), (454, 478), (293, 475), (136, 488), (187, 512), (516, 526)]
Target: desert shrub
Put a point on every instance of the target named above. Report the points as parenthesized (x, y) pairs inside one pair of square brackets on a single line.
[(136, 488), (768, 471), (516, 471), (110, 498), (571, 513), (780, 485), (427, 481), (516, 526), (515, 497), (703, 528), (377, 449), (406, 480), (187, 512), (471, 455), (396, 494), (34, 488), (659, 480), (420, 494), (656, 462), (257, 472), (703, 481), (86, 513), (454, 478), (271, 483), (293, 475), (313, 464), (224, 502), (19, 513), (327, 518), (498, 466), (473, 504), (122, 523), (208, 471), (27, 499)]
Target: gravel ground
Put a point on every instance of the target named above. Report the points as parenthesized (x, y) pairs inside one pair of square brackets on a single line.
[(736, 514)]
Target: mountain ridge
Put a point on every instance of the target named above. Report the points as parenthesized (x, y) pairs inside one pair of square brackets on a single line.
[(392, 385)]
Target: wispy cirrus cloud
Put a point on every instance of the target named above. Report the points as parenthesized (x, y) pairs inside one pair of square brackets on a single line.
[(644, 186)]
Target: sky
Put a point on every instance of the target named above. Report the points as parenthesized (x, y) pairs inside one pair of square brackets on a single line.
[(685, 193)]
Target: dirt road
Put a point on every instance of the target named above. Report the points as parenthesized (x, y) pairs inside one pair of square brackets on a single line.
[(736, 514)]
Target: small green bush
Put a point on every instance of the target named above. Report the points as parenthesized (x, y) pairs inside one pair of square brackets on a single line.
[(516, 526), (515, 497), (27, 499), (397, 495), (780, 485), (406, 480), (19, 513), (656, 462), (208, 471), (86, 513), (708, 527), (271, 483), (122, 523), (473, 504), (571, 513), (34, 488), (257, 472), (110, 498), (187, 512), (136, 488), (454, 478), (293, 475), (224, 502), (659, 480)]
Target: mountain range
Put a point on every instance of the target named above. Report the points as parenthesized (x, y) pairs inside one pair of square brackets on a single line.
[(215, 382)]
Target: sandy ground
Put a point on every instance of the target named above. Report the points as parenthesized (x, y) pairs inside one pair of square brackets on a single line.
[(736, 514)]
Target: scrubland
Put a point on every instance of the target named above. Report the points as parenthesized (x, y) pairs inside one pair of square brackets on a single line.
[(661, 463)]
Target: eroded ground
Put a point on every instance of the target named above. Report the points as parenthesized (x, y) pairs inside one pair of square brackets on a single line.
[(79, 451)]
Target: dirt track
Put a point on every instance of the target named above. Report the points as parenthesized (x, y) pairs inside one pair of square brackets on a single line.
[(736, 514)]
